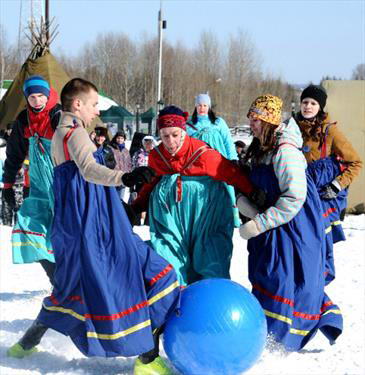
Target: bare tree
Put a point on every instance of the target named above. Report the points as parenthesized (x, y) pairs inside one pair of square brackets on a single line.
[(8, 60), (359, 72)]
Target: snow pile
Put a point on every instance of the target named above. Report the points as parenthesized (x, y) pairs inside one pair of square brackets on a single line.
[(23, 287)]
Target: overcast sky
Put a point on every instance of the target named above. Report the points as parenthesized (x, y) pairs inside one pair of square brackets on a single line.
[(298, 40)]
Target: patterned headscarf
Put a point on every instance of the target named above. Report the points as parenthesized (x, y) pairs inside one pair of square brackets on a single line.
[(267, 108), (172, 117)]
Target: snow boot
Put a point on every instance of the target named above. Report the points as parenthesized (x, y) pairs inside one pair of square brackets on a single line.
[(157, 367), (17, 351)]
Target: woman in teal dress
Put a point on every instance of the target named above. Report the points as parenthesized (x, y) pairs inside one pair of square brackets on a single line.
[(206, 126)]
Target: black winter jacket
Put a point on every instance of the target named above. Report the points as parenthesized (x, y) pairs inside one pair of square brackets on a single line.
[(18, 145)]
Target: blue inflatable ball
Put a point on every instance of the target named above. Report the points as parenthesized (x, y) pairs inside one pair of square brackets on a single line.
[(220, 329)]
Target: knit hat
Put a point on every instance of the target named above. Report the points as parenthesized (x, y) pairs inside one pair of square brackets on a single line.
[(172, 117), (318, 93), (203, 99), (36, 85), (267, 108)]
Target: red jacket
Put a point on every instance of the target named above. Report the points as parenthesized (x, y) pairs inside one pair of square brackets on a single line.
[(195, 158)]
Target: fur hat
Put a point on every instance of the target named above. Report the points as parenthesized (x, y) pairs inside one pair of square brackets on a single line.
[(36, 85), (101, 131), (172, 117), (203, 99), (318, 93), (267, 108)]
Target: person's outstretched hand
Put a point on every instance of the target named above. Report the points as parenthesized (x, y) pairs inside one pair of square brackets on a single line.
[(330, 191), (258, 198), (140, 175)]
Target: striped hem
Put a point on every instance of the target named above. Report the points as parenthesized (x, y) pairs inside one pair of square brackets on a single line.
[(32, 244), (119, 315), (115, 336)]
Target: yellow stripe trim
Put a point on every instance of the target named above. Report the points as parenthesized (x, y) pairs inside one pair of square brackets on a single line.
[(163, 293), (65, 311), (115, 336), (278, 317), (338, 222), (33, 244), (298, 332), (126, 332), (327, 230), (332, 311)]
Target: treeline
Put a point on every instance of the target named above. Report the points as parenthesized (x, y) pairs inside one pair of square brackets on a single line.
[(126, 70)]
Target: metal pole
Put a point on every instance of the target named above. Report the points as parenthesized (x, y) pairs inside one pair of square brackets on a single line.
[(159, 75), (47, 22), (137, 118)]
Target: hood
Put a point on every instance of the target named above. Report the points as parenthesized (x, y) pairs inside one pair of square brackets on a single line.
[(289, 133)]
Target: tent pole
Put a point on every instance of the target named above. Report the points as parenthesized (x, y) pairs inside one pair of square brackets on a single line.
[(47, 22)]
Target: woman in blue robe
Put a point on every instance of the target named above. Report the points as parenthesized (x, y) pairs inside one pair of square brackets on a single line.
[(287, 243)]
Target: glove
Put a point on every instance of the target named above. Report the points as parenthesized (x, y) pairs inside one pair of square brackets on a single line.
[(26, 192), (132, 215), (249, 230), (9, 196), (246, 208), (258, 198), (330, 191), (140, 175)]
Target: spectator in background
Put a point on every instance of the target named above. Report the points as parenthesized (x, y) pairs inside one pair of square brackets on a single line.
[(102, 143), (122, 157), (208, 127), (8, 130), (140, 159), (129, 130)]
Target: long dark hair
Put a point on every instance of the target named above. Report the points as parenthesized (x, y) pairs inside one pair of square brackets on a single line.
[(261, 146), (312, 129), (212, 116)]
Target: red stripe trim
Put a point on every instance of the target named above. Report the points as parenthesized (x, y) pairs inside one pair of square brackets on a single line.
[(53, 299), (75, 298), (65, 139), (276, 298), (8, 185), (164, 272), (117, 315), (329, 211), (178, 189), (28, 232), (325, 305), (291, 303), (306, 316)]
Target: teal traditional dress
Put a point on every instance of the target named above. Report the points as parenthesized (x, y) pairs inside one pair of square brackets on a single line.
[(190, 215), (31, 235)]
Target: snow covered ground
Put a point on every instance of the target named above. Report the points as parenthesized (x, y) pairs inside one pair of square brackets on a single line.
[(22, 288)]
